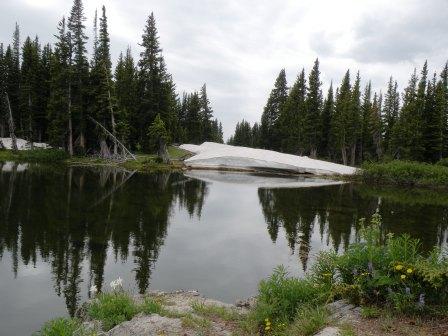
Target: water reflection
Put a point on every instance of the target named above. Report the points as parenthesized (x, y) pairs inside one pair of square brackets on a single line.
[(87, 224), (71, 215)]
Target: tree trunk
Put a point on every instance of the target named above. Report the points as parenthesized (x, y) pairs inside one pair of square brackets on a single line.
[(30, 123), (70, 128), (344, 155), (163, 152), (104, 148), (313, 153), (11, 126), (353, 155)]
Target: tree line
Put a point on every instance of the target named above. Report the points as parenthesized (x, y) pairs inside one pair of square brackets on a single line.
[(54, 91), (350, 125)]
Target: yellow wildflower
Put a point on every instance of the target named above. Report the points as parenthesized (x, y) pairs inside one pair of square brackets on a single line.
[(403, 277), (399, 267), (268, 323), (409, 270), (267, 328)]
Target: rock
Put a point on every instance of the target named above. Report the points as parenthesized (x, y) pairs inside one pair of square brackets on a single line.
[(246, 303), (152, 325), (329, 331), (342, 310)]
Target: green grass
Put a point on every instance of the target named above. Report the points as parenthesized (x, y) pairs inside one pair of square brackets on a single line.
[(201, 325), (370, 312), (64, 327), (117, 307), (35, 155), (405, 173), (309, 320), (177, 153)]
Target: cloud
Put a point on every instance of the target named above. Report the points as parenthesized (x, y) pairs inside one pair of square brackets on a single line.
[(238, 47), (402, 33)]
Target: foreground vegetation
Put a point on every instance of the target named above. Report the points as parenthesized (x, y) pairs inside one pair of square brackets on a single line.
[(406, 173), (385, 275)]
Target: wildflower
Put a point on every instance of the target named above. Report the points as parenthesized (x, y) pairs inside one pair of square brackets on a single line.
[(267, 328), (93, 290), (403, 277), (116, 283), (409, 270), (399, 267), (326, 274)]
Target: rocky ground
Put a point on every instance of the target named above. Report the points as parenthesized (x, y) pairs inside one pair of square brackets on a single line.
[(187, 313)]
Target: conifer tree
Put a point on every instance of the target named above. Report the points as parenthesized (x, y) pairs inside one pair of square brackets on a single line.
[(126, 93), (312, 122), (354, 118), (59, 103), (341, 123), (30, 71), (206, 115), (79, 87), (269, 120), (3, 77), (327, 117), (366, 148), (292, 117), (390, 112), (433, 121)]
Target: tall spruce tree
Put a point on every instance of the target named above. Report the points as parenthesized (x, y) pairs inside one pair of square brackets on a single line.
[(312, 123), (269, 120), (390, 113), (326, 147), (79, 87), (206, 115)]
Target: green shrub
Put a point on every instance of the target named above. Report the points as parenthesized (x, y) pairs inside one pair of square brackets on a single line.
[(443, 162), (386, 270), (405, 173), (150, 306), (112, 309), (42, 155), (280, 296)]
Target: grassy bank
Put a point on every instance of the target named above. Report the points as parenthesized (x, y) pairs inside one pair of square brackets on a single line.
[(405, 173), (143, 162), (396, 285)]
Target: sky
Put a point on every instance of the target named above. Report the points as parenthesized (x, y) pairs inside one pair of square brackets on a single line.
[(238, 47)]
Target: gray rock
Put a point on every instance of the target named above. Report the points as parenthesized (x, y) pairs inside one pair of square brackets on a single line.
[(329, 331), (152, 325)]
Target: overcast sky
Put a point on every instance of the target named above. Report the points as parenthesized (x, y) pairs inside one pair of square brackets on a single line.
[(238, 47)]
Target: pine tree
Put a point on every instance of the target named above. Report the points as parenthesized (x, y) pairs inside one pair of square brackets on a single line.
[(366, 149), (30, 71), (155, 88), (79, 87), (126, 93), (43, 95), (292, 117), (270, 128), (312, 122), (354, 118), (433, 121), (390, 113), (256, 136), (206, 115), (327, 117), (407, 129), (341, 123), (12, 60), (3, 77), (104, 102), (442, 102), (192, 119), (59, 103)]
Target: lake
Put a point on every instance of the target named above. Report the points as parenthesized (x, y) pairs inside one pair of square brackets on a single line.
[(64, 229)]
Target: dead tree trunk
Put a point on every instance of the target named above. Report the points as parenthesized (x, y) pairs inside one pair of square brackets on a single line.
[(11, 125), (123, 147), (112, 119), (104, 148)]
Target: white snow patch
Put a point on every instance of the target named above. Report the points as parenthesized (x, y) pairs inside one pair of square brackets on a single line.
[(23, 144), (214, 155)]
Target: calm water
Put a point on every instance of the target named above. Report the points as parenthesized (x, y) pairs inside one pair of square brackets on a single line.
[(62, 230)]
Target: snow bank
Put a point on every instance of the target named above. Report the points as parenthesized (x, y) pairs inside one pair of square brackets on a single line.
[(23, 144), (218, 156), (259, 180)]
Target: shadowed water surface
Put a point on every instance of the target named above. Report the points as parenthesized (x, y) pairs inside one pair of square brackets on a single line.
[(64, 229)]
